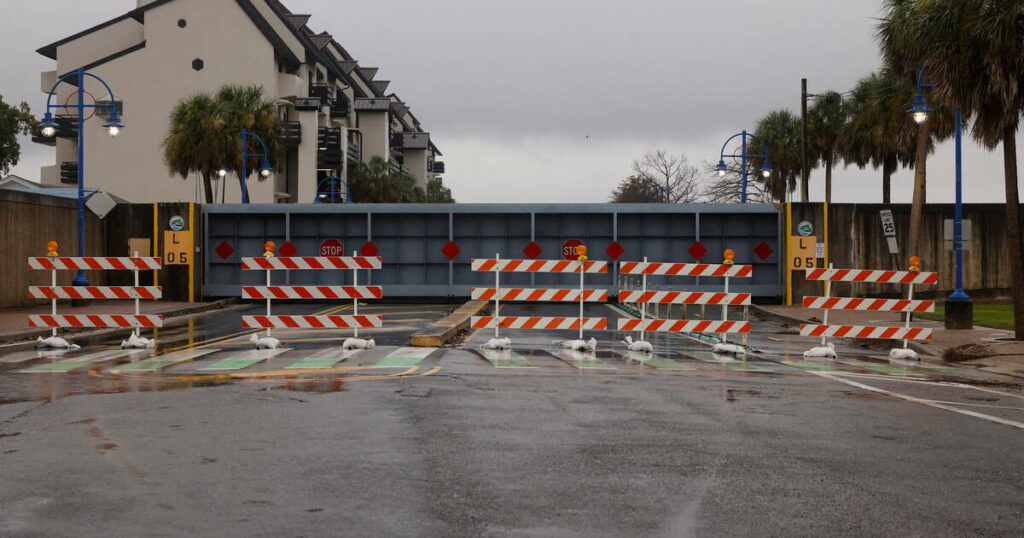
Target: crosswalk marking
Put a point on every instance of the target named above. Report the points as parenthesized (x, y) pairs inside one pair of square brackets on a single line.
[(505, 359), (244, 359), (324, 358), (25, 356), (164, 361), (810, 366), (81, 361), (668, 364), (405, 357), (583, 361)]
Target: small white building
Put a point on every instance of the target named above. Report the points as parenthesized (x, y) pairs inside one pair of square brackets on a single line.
[(164, 51)]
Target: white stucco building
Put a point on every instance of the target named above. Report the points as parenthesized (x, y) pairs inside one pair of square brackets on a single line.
[(163, 51)]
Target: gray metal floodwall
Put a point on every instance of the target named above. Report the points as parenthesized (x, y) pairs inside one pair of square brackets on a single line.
[(410, 238)]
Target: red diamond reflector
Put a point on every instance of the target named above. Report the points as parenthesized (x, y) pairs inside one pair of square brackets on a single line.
[(615, 250), (697, 250), (451, 250), (369, 249), (533, 250), (287, 249), (763, 251), (224, 250)]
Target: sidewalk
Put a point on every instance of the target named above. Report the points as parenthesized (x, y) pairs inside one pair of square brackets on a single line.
[(14, 326), (977, 347)]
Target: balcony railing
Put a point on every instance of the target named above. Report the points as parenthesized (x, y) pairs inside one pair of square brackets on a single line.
[(340, 108), (397, 140), (355, 147), (325, 92), (438, 167), (69, 173), (329, 154), (291, 134)]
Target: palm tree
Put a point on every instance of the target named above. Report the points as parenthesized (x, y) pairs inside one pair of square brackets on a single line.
[(878, 131), (374, 183), (975, 52), (247, 108), (197, 141), (780, 130), (826, 119)]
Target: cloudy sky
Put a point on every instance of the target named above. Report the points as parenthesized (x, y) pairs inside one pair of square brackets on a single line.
[(544, 101)]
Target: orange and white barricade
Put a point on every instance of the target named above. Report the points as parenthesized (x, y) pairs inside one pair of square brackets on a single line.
[(579, 295), (911, 277), (270, 263), (644, 297), (53, 263)]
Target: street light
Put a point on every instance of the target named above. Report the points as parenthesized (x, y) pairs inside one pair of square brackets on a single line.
[(766, 166), (919, 108), (48, 128), (265, 170)]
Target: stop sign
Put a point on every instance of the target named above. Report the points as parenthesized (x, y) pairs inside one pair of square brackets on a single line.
[(332, 247), (569, 249)]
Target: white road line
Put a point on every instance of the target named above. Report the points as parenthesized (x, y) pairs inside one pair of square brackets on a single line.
[(905, 379), (929, 403), (978, 405)]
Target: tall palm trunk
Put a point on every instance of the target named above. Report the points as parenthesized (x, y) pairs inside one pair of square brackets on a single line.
[(917, 208), (888, 166), (828, 180), (1016, 253), (208, 188)]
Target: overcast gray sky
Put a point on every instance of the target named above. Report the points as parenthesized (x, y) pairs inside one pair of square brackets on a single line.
[(544, 101)]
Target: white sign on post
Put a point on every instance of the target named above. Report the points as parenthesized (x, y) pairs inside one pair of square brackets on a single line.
[(966, 233), (889, 229)]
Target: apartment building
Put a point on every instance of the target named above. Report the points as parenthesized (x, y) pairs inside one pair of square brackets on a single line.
[(335, 112)]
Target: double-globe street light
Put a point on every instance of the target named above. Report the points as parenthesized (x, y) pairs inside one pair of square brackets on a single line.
[(48, 128), (265, 170), (920, 112), (766, 166)]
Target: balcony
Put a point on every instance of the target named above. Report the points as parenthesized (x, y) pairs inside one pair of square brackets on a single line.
[(398, 140), (329, 152), (340, 109), (355, 147), (438, 167), (291, 134), (289, 85), (69, 173), (325, 92)]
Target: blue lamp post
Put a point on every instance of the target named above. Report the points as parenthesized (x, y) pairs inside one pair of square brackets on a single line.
[(48, 128), (328, 191), (920, 112), (265, 170), (766, 168)]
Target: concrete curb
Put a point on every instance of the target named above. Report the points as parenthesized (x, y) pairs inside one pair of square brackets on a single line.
[(441, 332), (27, 336)]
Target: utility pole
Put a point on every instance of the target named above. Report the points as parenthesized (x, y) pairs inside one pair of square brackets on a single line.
[(805, 179)]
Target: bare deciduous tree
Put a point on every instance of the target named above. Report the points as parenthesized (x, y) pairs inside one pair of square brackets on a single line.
[(729, 188), (677, 180)]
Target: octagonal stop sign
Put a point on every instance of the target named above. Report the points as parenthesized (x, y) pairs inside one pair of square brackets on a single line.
[(569, 249), (332, 247)]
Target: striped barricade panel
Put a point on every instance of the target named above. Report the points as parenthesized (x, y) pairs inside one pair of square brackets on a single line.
[(868, 275), (538, 266), (685, 269), (684, 326), (98, 264), (311, 322), (860, 331), (312, 292), (533, 294), (336, 262), (684, 297), (880, 305), (489, 322), (96, 320), (95, 292)]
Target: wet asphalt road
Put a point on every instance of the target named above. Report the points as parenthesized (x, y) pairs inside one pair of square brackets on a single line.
[(547, 444)]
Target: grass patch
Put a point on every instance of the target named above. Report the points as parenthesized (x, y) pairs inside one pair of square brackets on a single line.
[(995, 316)]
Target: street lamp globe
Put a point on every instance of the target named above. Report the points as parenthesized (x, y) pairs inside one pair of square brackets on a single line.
[(721, 168), (266, 170), (766, 170), (920, 117), (919, 110), (113, 126), (223, 172), (48, 128)]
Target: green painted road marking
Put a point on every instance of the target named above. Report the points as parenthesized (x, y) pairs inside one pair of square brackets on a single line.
[(25, 356), (885, 369), (943, 369), (79, 362), (668, 364), (244, 360), (324, 358), (167, 360), (811, 366), (405, 357), (583, 361), (505, 359), (746, 367)]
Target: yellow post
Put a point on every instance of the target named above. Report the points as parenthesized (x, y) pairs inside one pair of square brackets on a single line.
[(824, 206), (192, 255), (156, 240), (785, 258)]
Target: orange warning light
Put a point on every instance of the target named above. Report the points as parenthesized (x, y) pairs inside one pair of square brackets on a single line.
[(915, 264), (730, 256), (269, 247)]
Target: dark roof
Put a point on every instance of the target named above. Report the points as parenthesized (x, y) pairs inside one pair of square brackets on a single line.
[(139, 14), (381, 104)]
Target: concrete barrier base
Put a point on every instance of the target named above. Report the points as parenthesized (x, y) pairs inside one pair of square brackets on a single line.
[(442, 332)]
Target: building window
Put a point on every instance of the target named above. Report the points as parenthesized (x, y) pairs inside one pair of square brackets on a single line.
[(182, 23), (198, 64)]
